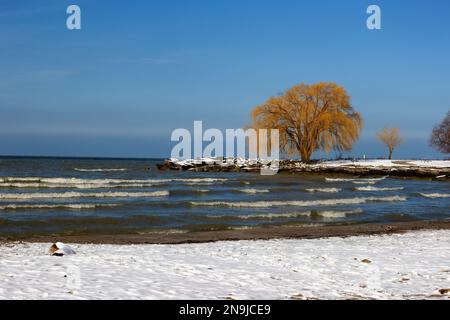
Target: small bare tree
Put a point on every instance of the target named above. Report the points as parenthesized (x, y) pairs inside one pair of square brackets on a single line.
[(391, 138), (440, 138)]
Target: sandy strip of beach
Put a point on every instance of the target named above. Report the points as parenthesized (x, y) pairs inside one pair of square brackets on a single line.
[(412, 265), (256, 233)]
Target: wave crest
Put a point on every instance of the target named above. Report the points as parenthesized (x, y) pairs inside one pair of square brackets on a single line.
[(77, 183), (254, 191), (370, 188), (336, 214), (65, 195), (76, 206), (325, 190), (326, 202), (435, 195), (362, 180), (290, 215)]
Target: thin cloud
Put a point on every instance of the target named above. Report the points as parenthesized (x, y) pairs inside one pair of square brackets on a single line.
[(173, 58), (26, 12), (77, 129), (148, 61), (18, 77)]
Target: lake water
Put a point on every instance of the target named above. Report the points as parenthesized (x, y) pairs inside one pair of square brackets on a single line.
[(105, 196)]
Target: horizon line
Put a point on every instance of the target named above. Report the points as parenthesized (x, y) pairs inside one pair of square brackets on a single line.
[(80, 157), (165, 158)]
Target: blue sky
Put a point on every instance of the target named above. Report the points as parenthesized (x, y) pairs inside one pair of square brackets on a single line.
[(139, 69)]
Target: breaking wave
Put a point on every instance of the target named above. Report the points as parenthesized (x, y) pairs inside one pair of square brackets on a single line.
[(39, 185), (327, 202), (435, 195), (77, 206), (65, 195), (267, 216), (76, 183), (370, 188), (254, 191), (326, 190), (271, 216), (336, 214), (77, 180), (362, 180)]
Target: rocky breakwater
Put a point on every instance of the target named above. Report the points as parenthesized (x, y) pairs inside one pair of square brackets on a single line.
[(213, 165), (436, 169)]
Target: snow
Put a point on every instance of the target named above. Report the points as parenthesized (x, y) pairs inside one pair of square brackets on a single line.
[(437, 164), (415, 265), (388, 163)]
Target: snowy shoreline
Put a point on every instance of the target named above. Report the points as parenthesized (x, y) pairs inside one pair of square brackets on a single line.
[(439, 169), (414, 265), (314, 231)]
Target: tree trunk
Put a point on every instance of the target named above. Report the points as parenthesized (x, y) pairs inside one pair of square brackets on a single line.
[(305, 156), (390, 154)]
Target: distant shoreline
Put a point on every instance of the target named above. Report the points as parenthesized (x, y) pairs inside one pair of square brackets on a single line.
[(79, 158), (256, 233)]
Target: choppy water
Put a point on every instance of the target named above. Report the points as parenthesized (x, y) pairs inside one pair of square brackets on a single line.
[(80, 196)]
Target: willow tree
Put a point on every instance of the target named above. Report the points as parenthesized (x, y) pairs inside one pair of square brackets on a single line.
[(309, 118)]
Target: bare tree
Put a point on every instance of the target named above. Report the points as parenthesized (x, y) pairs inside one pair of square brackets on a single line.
[(391, 138), (309, 118), (440, 138)]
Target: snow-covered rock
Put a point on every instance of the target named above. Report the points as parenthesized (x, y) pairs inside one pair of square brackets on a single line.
[(60, 249)]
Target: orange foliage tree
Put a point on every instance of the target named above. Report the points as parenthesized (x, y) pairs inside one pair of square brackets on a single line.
[(309, 118), (391, 138)]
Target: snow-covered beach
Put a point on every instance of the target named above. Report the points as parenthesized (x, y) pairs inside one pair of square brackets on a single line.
[(414, 265)]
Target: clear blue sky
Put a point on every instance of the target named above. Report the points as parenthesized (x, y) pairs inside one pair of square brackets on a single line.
[(139, 69)]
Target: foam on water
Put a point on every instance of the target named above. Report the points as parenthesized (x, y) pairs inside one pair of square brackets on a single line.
[(435, 195), (355, 179), (39, 185), (290, 215), (325, 190), (75, 181), (65, 195), (326, 202), (370, 188), (254, 191), (267, 216), (364, 182), (337, 214), (76, 206)]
